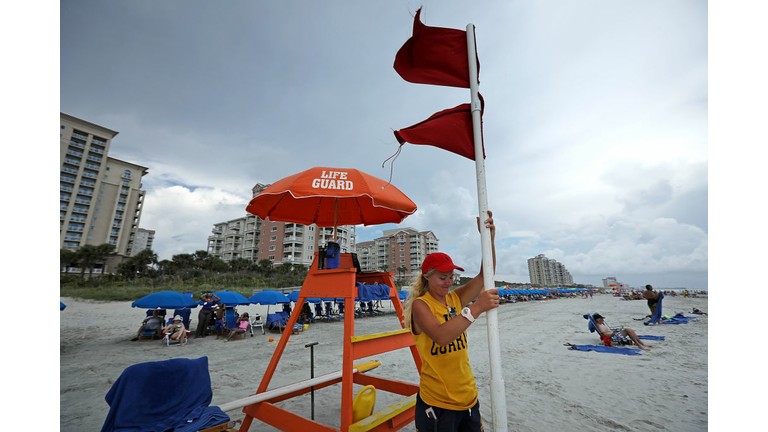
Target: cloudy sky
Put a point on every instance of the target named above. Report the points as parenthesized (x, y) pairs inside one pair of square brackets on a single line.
[(595, 122)]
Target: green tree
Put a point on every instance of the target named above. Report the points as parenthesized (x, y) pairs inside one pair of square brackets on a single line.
[(401, 271), (88, 256), (384, 268), (66, 259), (264, 267), (240, 264), (142, 261), (182, 263)]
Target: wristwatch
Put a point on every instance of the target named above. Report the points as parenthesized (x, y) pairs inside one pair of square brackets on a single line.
[(466, 313)]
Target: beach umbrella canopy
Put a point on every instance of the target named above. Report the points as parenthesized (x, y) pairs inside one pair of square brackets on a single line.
[(329, 197), (294, 297), (268, 297), (403, 294), (165, 300), (62, 306), (231, 298)]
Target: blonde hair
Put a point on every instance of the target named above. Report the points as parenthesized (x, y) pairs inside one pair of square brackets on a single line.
[(419, 287)]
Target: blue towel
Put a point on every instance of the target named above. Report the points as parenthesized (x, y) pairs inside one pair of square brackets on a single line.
[(370, 292), (161, 396), (656, 315), (678, 319), (650, 337), (605, 349)]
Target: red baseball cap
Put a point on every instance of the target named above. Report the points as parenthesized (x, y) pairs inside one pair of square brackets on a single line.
[(440, 262)]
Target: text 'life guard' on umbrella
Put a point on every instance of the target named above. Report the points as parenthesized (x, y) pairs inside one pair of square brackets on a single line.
[(329, 197)]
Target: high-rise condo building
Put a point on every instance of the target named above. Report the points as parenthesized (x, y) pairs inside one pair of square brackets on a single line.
[(100, 198), (143, 240), (397, 248), (255, 239), (544, 271)]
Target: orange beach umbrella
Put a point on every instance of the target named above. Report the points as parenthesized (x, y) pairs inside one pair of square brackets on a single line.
[(329, 197)]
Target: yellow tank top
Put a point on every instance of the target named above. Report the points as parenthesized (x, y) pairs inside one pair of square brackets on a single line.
[(446, 378)]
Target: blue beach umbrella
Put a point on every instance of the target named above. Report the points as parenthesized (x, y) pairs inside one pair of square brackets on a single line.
[(268, 297), (165, 300), (294, 297), (231, 298), (62, 306), (403, 294)]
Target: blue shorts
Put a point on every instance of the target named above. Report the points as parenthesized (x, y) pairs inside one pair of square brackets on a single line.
[(445, 420)]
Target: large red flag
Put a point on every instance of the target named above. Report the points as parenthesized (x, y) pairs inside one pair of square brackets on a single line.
[(449, 129), (434, 55)]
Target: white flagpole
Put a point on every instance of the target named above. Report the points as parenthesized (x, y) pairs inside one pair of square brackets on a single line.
[(498, 397)]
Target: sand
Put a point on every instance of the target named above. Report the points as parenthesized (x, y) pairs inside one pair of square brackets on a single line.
[(548, 386)]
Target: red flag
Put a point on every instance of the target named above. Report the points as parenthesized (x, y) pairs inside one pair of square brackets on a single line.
[(449, 129), (434, 55)]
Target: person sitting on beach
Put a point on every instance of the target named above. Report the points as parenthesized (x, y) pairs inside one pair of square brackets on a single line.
[(438, 318), (622, 336), (241, 326), (652, 297), (150, 323), (176, 330)]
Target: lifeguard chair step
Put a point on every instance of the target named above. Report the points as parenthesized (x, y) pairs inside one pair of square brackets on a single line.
[(389, 413)]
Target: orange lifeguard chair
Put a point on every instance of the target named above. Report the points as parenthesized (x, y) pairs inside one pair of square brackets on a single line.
[(340, 283)]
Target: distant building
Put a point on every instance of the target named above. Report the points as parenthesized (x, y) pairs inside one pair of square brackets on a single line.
[(255, 239), (396, 248), (544, 271), (143, 240), (100, 198), (610, 281)]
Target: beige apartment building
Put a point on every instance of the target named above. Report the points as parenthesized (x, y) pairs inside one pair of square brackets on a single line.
[(544, 271), (100, 198), (255, 239), (142, 240), (395, 248)]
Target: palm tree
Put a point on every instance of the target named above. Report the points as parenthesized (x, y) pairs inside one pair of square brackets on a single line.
[(401, 270), (88, 256), (66, 259), (142, 260), (384, 268), (240, 264)]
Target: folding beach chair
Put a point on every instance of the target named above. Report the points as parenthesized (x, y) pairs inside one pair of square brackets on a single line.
[(592, 325), (275, 323), (230, 323), (285, 318), (256, 321)]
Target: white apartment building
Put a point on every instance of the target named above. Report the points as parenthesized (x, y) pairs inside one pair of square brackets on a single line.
[(255, 239), (100, 198), (395, 248), (544, 271)]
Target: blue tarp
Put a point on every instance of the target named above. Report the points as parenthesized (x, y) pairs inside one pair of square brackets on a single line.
[(370, 292), (163, 395)]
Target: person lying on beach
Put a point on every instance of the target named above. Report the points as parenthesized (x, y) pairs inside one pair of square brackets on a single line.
[(242, 326), (698, 311), (151, 323), (176, 330), (438, 318), (622, 336)]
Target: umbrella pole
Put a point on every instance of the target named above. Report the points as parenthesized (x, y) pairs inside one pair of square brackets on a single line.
[(335, 218), (498, 398)]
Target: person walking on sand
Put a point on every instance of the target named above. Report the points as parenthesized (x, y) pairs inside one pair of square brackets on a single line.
[(204, 316), (652, 297), (619, 336), (438, 318)]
